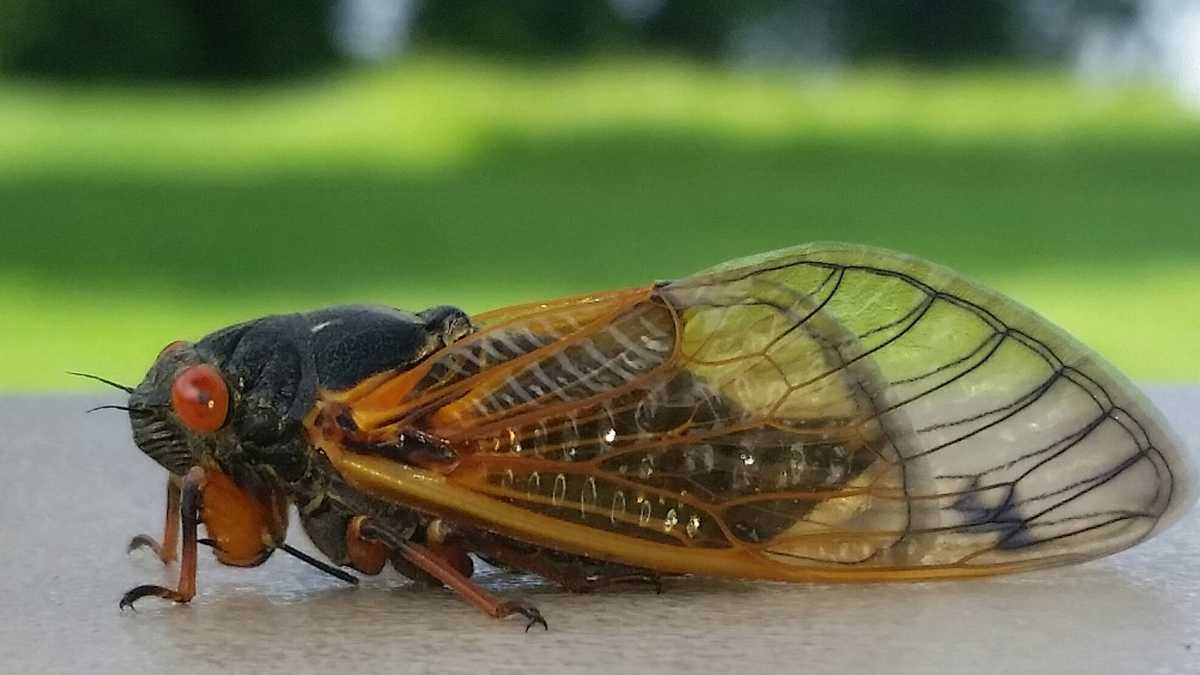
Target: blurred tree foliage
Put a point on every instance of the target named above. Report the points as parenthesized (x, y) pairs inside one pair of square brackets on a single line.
[(530, 28), (928, 31), (547, 28), (249, 39), (699, 28), (935, 32), (156, 39)]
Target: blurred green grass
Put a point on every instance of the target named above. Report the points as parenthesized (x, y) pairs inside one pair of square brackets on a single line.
[(131, 217)]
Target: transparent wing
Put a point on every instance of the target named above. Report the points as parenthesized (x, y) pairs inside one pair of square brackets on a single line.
[(828, 411)]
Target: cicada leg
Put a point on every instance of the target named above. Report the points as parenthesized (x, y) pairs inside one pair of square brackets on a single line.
[(576, 575), (189, 509), (170, 541), (445, 571)]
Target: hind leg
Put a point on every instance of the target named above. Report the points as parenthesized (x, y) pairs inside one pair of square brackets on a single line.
[(444, 571)]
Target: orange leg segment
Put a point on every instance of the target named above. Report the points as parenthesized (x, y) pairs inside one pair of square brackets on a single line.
[(189, 509), (170, 542)]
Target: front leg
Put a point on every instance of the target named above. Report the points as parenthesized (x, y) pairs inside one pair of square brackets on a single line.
[(190, 491), (170, 541)]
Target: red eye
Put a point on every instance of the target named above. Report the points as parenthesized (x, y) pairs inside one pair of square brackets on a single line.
[(200, 398)]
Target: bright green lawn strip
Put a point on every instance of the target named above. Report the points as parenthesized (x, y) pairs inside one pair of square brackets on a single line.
[(429, 112)]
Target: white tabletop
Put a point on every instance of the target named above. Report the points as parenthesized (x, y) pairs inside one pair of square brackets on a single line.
[(73, 489)]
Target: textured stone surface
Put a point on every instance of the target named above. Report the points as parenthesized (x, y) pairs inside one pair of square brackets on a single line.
[(73, 489)]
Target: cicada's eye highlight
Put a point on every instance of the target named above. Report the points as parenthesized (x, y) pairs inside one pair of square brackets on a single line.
[(200, 398)]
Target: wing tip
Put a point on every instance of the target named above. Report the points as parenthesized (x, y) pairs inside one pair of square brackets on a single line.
[(1185, 477)]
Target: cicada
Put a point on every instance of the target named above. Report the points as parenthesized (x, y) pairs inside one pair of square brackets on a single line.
[(829, 413)]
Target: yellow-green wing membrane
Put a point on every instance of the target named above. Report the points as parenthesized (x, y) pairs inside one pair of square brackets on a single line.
[(825, 412)]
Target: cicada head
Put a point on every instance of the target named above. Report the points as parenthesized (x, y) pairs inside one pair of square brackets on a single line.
[(239, 395), (180, 411)]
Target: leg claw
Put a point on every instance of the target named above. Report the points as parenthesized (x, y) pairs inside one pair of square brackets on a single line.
[(134, 594), (526, 610), (144, 541)]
